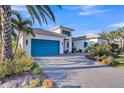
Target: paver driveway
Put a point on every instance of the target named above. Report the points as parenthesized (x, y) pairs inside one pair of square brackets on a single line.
[(74, 70)]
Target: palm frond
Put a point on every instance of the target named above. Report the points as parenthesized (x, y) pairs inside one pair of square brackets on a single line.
[(33, 13), (50, 12), (29, 30), (41, 13)]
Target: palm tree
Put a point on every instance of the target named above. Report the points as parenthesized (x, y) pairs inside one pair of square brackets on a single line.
[(113, 35), (7, 52), (0, 29), (22, 26), (37, 12), (121, 34), (104, 35)]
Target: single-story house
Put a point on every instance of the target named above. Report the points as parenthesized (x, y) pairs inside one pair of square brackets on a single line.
[(81, 42), (55, 41)]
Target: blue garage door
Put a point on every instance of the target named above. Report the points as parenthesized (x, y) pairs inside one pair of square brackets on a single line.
[(44, 47)]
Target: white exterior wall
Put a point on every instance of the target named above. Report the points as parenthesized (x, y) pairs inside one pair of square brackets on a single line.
[(94, 40), (57, 31), (98, 40), (79, 44), (70, 44), (65, 43), (102, 41), (27, 48)]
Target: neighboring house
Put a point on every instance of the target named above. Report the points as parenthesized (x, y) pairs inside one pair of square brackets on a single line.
[(47, 43), (54, 42), (81, 42)]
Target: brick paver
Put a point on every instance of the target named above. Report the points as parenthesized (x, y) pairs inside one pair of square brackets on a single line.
[(74, 71)]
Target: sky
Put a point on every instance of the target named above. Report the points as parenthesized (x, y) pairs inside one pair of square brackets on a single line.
[(83, 19)]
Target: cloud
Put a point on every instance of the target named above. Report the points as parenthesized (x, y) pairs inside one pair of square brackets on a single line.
[(19, 8), (22, 10), (87, 6), (73, 7), (120, 24), (77, 25), (91, 10)]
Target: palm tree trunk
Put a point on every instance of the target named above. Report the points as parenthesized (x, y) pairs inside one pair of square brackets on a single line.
[(7, 52), (17, 41), (1, 38), (123, 44)]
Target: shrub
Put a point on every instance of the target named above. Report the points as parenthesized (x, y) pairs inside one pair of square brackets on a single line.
[(105, 59), (100, 50), (22, 65), (18, 66), (33, 83), (19, 53), (4, 71), (114, 63), (48, 83), (34, 65), (37, 71)]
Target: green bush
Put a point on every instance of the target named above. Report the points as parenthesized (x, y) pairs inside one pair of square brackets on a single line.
[(37, 71), (22, 64), (18, 66), (4, 71), (33, 83), (33, 65), (114, 63), (100, 50)]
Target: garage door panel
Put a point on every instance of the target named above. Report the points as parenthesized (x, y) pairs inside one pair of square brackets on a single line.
[(44, 47)]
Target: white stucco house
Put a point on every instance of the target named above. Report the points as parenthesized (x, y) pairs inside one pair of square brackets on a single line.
[(82, 41), (47, 42), (54, 41)]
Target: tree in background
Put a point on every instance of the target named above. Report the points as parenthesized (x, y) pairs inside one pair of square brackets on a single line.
[(21, 25)]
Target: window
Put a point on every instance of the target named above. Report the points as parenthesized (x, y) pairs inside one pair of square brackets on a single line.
[(72, 44), (67, 44), (66, 33), (26, 42)]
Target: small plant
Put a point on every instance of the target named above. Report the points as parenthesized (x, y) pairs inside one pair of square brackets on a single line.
[(48, 83), (114, 63), (4, 71), (37, 71), (105, 61), (33, 83), (33, 65)]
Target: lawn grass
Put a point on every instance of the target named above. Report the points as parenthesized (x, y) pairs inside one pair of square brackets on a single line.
[(120, 66), (120, 59), (121, 62)]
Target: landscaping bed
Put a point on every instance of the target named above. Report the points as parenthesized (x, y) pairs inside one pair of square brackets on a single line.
[(105, 54), (23, 72), (119, 62), (22, 80)]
